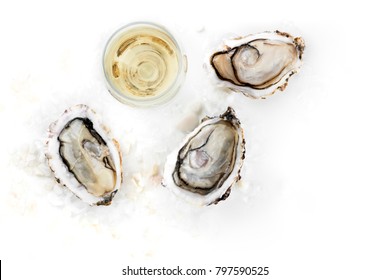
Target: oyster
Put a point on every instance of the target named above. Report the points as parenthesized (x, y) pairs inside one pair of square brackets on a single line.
[(83, 157), (208, 162), (260, 64)]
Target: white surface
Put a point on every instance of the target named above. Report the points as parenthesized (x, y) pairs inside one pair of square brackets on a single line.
[(314, 199)]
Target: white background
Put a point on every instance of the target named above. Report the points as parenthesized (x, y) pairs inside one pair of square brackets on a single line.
[(314, 199)]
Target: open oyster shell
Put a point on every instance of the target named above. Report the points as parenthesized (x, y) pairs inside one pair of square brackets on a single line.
[(258, 65), (208, 162), (83, 156)]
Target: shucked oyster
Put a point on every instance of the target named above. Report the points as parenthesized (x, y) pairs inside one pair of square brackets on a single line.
[(259, 64), (208, 162), (83, 157)]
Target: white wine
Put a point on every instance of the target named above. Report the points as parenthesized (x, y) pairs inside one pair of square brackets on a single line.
[(142, 61)]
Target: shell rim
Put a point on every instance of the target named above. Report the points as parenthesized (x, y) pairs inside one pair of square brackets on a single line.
[(60, 170)]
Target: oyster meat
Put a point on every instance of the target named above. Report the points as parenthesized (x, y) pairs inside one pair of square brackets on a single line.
[(260, 64), (84, 157), (208, 162)]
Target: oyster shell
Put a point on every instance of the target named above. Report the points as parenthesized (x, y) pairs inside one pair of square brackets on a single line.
[(208, 161), (260, 64), (83, 156)]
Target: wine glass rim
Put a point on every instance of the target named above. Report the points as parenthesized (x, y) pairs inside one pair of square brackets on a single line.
[(163, 96)]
